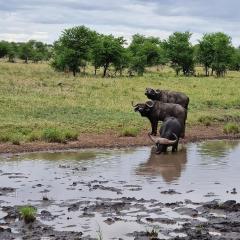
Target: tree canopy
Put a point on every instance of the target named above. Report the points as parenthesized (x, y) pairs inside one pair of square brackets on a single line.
[(215, 51), (180, 52), (73, 48), (79, 46)]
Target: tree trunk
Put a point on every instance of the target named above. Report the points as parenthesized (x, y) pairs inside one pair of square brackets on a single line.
[(74, 73), (206, 71), (105, 68), (212, 72), (10, 59), (121, 71), (95, 70)]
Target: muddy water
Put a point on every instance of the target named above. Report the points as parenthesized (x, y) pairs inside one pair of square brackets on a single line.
[(112, 193)]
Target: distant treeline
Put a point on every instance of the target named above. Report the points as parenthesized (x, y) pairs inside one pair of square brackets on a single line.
[(32, 50), (79, 46)]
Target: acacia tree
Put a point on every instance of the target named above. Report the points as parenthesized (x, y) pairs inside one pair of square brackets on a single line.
[(73, 48), (3, 49), (205, 52), (223, 51), (180, 52), (65, 59), (25, 51), (13, 51), (145, 52), (215, 51), (235, 60), (123, 61), (106, 51), (40, 51)]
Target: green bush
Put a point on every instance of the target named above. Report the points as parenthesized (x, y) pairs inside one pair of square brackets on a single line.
[(70, 135), (59, 136), (52, 135), (28, 213), (231, 128), (206, 120), (16, 138), (4, 137), (129, 132), (34, 136)]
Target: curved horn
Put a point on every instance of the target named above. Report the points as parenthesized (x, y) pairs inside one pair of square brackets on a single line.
[(150, 105), (153, 139), (134, 105), (160, 140), (176, 138), (166, 141)]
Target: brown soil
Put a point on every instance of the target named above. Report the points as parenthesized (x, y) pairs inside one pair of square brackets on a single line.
[(112, 140)]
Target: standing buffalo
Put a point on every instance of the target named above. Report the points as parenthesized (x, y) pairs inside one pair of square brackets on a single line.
[(158, 111), (170, 132), (168, 96)]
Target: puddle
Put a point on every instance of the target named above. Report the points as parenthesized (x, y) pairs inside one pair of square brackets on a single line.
[(116, 192)]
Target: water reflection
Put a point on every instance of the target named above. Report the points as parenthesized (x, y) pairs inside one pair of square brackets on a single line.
[(169, 166), (216, 149), (55, 156)]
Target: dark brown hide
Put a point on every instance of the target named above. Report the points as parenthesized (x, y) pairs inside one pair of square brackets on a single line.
[(167, 96)]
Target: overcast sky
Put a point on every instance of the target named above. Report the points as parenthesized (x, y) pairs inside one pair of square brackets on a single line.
[(44, 20)]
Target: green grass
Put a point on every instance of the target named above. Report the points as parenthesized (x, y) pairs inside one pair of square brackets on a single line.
[(28, 213), (129, 132), (231, 128), (57, 135), (31, 101)]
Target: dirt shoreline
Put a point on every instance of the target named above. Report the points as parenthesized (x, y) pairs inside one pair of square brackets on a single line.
[(112, 140)]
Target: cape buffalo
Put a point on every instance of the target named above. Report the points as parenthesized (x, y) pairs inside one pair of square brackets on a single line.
[(170, 132), (168, 96), (158, 111)]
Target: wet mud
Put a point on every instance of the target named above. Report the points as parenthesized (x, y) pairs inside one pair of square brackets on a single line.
[(123, 193)]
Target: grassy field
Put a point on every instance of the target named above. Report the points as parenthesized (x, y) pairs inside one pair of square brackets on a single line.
[(34, 106)]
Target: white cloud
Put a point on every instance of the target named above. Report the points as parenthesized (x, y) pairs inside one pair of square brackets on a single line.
[(45, 19)]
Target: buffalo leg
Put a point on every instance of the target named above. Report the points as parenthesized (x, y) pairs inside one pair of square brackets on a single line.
[(175, 147), (164, 148), (183, 132), (154, 127), (183, 129), (161, 148)]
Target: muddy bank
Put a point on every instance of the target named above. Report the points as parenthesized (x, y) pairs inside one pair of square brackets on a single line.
[(112, 140), (204, 221)]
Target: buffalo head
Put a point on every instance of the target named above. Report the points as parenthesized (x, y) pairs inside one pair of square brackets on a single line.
[(163, 143), (143, 108), (150, 93), (153, 94)]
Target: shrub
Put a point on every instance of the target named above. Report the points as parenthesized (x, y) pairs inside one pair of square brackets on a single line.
[(4, 137), (59, 136), (16, 138), (28, 213), (129, 132), (206, 120), (52, 135), (70, 135), (34, 136), (231, 128)]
